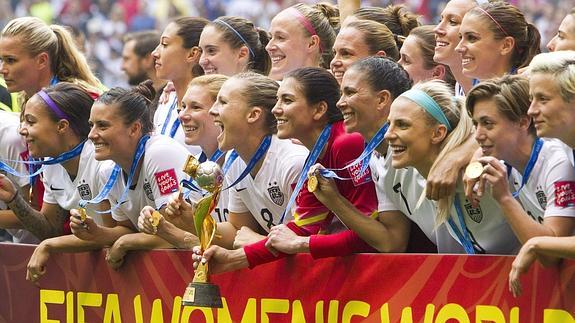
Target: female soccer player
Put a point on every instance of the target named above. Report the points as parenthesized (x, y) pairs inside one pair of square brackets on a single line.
[(302, 35), (496, 40), (177, 60), (551, 81), (417, 57), (359, 39), (231, 45)]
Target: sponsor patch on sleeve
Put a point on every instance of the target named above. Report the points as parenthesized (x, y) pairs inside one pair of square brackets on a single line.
[(356, 177), (565, 193), (167, 181)]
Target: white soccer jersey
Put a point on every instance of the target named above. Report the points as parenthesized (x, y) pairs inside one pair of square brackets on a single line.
[(400, 190), (13, 147), (160, 175), (62, 190), (550, 189), (266, 196), (168, 113), (488, 229), (486, 224)]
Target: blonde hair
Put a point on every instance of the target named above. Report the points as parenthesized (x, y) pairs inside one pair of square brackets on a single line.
[(456, 114), (561, 66), (212, 82), (67, 63), (324, 17)]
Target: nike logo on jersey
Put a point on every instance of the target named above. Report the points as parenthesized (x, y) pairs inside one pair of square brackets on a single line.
[(240, 189), (55, 189)]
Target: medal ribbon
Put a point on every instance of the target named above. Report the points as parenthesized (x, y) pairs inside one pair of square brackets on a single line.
[(140, 149), (176, 123), (262, 149), (464, 239), (50, 161), (535, 151), (310, 160), (364, 158)]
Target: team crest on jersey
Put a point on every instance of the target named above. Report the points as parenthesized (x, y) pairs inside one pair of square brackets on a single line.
[(148, 191), (276, 194), (84, 191), (475, 213), (542, 199)]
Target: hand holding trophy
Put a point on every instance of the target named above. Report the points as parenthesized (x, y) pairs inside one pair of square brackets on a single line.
[(210, 177)]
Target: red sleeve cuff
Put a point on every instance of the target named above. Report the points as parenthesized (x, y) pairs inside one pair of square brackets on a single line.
[(257, 254), (336, 245)]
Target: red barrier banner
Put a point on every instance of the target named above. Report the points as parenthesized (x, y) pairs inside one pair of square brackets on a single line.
[(362, 288)]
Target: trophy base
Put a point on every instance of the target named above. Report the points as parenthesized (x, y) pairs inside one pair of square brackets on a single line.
[(202, 295)]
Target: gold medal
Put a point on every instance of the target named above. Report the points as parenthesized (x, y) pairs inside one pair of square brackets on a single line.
[(156, 216), (474, 170), (312, 183), (83, 214)]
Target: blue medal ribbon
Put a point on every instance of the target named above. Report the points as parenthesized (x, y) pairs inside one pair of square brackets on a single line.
[(32, 171), (105, 190), (535, 151), (176, 123), (140, 149), (464, 238), (262, 149), (49, 161), (310, 160), (364, 158)]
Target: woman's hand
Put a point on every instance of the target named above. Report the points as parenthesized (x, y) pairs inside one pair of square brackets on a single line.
[(37, 264), (8, 190), (282, 238), (525, 258)]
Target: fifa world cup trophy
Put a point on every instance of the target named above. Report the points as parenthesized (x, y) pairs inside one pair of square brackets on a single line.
[(209, 176)]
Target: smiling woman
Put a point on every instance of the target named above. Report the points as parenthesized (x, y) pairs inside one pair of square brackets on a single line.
[(359, 39), (231, 45), (496, 40), (302, 35), (306, 110), (425, 124), (55, 124), (539, 171), (122, 132)]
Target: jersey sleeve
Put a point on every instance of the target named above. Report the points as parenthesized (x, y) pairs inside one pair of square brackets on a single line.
[(164, 169), (559, 186), (235, 204), (48, 193)]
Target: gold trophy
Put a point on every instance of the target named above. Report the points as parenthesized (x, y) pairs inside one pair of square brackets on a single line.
[(210, 177)]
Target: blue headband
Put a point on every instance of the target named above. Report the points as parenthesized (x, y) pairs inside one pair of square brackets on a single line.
[(428, 104), (219, 21)]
